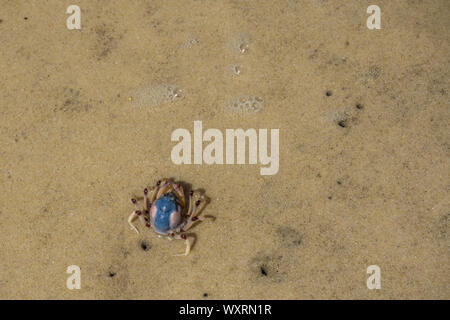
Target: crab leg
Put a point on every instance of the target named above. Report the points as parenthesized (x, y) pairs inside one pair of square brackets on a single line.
[(192, 216), (186, 241), (154, 191), (165, 187), (145, 200), (138, 213), (189, 212), (131, 218), (180, 193), (193, 209), (142, 219)]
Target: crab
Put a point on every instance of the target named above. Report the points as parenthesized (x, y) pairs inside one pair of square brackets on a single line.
[(165, 212)]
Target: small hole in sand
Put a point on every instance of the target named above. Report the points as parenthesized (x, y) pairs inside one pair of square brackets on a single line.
[(145, 246), (342, 123), (263, 271)]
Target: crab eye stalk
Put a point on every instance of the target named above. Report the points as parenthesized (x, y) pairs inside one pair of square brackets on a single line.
[(133, 200)]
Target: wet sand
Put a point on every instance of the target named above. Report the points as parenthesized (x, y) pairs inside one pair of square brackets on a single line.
[(86, 123)]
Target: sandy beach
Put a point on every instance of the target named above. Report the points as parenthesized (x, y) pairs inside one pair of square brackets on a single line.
[(87, 116)]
